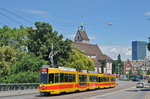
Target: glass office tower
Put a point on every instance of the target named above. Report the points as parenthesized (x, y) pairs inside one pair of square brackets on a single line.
[(138, 50)]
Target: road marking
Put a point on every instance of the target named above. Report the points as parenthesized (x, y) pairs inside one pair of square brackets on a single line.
[(111, 93), (147, 95), (129, 95)]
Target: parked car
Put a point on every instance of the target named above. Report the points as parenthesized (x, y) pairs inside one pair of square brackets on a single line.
[(148, 81), (139, 85), (135, 79)]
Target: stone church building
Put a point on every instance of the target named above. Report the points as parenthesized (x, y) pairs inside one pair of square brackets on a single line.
[(81, 40)]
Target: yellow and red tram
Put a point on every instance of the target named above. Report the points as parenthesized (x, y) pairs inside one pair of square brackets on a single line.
[(64, 80)]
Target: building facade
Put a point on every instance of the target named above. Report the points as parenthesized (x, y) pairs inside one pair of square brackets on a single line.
[(81, 41), (136, 65), (127, 67), (138, 50)]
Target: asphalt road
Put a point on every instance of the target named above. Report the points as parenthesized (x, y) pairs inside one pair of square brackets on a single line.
[(125, 90), (130, 93)]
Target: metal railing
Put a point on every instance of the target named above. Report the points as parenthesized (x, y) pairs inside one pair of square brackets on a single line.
[(19, 86)]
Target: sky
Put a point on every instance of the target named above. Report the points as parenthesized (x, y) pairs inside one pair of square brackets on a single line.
[(129, 19)]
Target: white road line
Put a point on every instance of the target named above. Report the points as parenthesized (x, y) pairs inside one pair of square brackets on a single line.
[(147, 96), (111, 93)]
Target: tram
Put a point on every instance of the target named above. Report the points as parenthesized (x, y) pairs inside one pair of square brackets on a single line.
[(65, 80)]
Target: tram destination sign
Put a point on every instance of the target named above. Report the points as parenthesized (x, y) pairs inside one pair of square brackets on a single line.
[(44, 70), (67, 69)]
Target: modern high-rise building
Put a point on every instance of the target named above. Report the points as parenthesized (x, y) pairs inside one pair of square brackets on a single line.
[(138, 50)]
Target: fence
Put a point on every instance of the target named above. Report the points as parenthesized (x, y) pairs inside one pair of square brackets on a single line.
[(19, 86)]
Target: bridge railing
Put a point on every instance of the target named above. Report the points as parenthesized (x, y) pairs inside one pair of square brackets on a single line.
[(19, 86)]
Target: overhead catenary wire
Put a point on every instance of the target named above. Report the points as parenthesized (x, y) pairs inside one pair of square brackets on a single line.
[(16, 15), (10, 18)]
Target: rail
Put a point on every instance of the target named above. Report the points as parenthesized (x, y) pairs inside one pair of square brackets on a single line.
[(19, 86)]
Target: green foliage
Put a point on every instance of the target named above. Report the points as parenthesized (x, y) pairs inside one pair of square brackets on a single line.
[(114, 66), (119, 58), (103, 64), (130, 72), (119, 64), (21, 66), (24, 77), (29, 62), (79, 61), (15, 38), (148, 72), (8, 57), (139, 71), (40, 40), (26, 70), (148, 46)]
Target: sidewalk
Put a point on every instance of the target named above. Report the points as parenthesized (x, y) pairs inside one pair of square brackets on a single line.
[(18, 92)]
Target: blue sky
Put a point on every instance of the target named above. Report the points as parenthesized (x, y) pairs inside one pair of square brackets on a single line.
[(129, 18)]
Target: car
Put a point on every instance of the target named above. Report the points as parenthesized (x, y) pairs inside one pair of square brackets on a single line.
[(135, 79), (148, 81), (139, 85)]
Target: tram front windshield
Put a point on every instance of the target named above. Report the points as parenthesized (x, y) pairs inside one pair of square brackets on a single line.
[(43, 79)]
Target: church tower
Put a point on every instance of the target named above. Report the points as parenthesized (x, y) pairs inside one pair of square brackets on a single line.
[(81, 35)]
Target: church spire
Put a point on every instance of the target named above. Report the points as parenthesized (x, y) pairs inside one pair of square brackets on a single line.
[(81, 23)]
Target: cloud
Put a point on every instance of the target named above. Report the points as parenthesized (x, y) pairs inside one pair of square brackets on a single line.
[(71, 36), (113, 51), (38, 12), (147, 13), (92, 37)]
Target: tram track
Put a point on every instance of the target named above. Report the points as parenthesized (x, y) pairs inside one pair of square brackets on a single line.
[(88, 94)]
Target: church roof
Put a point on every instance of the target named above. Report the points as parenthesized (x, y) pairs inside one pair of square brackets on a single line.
[(83, 35), (92, 49), (96, 62)]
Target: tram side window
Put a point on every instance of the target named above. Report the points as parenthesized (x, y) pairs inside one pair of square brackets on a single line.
[(101, 79), (91, 78), (51, 78), (95, 79), (56, 78), (61, 77), (105, 79), (70, 77), (66, 77), (74, 78), (80, 78), (113, 79), (85, 78)]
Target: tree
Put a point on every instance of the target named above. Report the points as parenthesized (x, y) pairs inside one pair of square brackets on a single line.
[(28, 62), (148, 72), (26, 70), (8, 56), (79, 61), (148, 46), (119, 58), (139, 71), (15, 38), (40, 40), (103, 65), (120, 64), (114, 66), (130, 72)]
